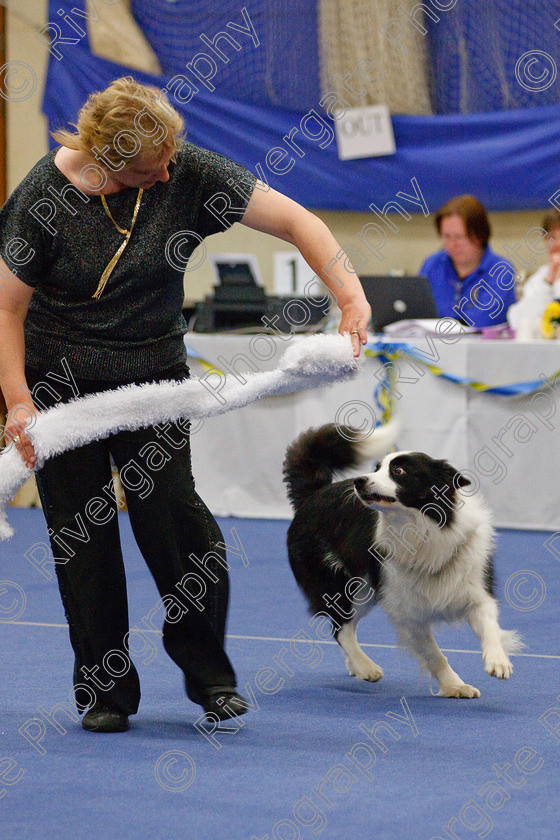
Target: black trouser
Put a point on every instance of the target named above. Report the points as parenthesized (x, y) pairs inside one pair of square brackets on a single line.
[(173, 529)]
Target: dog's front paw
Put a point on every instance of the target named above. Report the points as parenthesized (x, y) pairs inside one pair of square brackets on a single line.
[(371, 673), (460, 690), (365, 669), (498, 666)]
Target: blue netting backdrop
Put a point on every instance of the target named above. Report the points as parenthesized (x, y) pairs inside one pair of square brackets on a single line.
[(474, 50), (476, 46), (283, 71), (500, 142)]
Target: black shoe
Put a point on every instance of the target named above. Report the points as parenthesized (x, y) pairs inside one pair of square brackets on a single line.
[(225, 703), (103, 718)]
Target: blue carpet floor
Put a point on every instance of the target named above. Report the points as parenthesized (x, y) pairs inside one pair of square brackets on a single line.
[(321, 755)]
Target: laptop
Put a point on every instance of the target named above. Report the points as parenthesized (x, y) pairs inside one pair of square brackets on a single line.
[(398, 298)]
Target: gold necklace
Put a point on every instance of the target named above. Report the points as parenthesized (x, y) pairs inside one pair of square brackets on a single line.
[(126, 233)]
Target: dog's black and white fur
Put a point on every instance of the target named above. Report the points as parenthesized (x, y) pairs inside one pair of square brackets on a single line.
[(404, 536)]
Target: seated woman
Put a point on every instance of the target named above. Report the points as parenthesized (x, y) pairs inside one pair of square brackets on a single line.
[(469, 282), (543, 286)]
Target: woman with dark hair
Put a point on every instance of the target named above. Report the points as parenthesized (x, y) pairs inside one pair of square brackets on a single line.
[(469, 282)]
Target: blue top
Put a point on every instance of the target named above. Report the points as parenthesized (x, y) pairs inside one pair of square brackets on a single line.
[(479, 300)]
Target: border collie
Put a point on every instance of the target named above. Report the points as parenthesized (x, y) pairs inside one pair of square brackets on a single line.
[(404, 536)]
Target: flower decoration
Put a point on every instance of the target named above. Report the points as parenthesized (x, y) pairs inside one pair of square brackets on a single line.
[(551, 319)]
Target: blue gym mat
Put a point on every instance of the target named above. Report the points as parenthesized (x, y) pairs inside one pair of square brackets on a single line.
[(320, 754)]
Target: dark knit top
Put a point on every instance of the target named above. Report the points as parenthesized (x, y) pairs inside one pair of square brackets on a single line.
[(135, 329)]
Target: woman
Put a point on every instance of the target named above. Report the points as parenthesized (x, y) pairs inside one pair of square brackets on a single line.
[(88, 295), (542, 287), (469, 282)]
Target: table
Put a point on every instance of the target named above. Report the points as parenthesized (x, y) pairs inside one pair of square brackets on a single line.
[(509, 445)]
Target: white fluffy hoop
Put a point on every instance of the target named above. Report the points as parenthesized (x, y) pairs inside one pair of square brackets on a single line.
[(310, 362)]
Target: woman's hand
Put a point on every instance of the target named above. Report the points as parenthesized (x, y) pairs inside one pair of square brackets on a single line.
[(554, 268), (20, 419), (354, 320)]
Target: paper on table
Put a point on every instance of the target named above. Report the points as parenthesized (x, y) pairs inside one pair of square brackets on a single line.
[(427, 326)]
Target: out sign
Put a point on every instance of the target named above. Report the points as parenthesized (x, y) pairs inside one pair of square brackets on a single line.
[(365, 132)]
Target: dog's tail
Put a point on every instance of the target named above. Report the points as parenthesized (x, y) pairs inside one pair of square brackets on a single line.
[(316, 455), (511, 641)]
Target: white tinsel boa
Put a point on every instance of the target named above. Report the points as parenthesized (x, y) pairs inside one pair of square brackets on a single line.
[(307, 363)]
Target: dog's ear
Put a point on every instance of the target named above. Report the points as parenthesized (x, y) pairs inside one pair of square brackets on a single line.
[(461, 480), (454, 476)]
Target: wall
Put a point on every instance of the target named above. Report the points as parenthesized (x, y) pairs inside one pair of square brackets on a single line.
[(405, 250), (26, 125)]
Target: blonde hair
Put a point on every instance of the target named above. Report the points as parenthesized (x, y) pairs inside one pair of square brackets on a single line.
[(134, 121)]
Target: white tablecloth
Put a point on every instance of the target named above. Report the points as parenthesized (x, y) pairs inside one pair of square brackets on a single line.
[(510, 445)]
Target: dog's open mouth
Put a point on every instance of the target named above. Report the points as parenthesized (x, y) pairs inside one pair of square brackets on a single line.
[(371, 496)]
